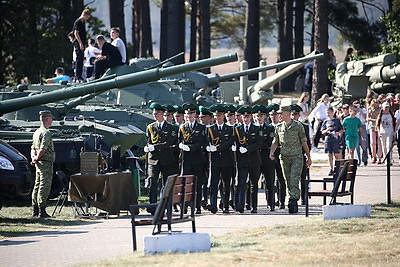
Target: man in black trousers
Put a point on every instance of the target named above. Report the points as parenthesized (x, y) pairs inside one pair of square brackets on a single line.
[(110, 57)]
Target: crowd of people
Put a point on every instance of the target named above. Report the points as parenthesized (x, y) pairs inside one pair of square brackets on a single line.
[(91, 58), (228, 149)]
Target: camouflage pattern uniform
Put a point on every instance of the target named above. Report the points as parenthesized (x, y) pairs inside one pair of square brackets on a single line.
[(44, 167), (290, 138)]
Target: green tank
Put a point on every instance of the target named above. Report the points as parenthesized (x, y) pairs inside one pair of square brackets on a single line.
[(353, 79)]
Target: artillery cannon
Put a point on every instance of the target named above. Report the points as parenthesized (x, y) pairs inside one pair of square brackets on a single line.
[(353, 79)]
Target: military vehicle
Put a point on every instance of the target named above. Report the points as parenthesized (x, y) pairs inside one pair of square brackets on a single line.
[(73, 134), (353, 79)]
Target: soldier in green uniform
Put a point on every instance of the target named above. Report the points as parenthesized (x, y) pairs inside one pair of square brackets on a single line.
[(291, 136), (178, 115), (43, 156), (220, 141), (206, 119), (296, 109), (248, 139), (267, 165), (192, 140), (161, 136), (169, 117)]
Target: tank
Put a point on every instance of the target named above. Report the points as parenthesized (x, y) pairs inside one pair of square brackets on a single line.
[(353, 79)]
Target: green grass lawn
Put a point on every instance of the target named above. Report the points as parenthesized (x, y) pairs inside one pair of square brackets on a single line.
[(373, 241)]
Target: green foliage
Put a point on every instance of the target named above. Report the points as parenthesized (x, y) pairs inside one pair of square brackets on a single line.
[(392, 23), (228, 19)]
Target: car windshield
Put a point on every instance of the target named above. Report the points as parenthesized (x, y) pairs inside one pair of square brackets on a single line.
[(10, 152)]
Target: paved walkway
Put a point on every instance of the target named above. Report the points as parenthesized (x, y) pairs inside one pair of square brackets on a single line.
[(103, 239)]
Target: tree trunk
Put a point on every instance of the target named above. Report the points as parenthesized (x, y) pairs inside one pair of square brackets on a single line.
[(205, 50), (320, 74), (172, 39), (193, 30), (147, 41), (135, 27), (299, 29), (286, 52), (252, 36), (117, 18), (77, 8)]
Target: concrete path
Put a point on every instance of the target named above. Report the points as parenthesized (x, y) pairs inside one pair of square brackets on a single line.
[(107, 238)]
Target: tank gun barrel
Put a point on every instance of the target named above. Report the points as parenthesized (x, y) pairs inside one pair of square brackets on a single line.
[(103, 85), (307, 58), (168, 59)]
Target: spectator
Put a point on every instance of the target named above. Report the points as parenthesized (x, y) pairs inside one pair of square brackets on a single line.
[(352, 130), (118, 43), (91, 53), (344, 113), (319, 115), (60, 77), (349, 55), (362, 115), (80, 41), (110, 57), (331, 59), (397, 117), (385, 126), (368, 99), (376, 146), (332, 129), (381, 99), (303, 103)]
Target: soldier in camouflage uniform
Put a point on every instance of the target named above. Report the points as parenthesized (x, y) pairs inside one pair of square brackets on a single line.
[(290, 134), (43, 156)]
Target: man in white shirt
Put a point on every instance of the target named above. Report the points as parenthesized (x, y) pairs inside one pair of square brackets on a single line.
[(118, 43), (91, 52)]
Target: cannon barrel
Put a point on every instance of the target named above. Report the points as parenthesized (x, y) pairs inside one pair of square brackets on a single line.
[(107, 83), (305, 59)]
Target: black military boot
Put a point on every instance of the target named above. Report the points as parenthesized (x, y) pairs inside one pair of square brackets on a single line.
[(43, 213), (293, 207), (271, 201), (35, 211)]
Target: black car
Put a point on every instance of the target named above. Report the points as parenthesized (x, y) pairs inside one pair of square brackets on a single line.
[(16, 177)]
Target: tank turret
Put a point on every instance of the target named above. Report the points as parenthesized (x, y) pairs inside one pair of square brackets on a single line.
[(353, 79)]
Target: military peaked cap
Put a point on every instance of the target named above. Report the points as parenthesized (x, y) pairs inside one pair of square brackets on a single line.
[(260, 109), (156, 106), (190, 108), (230, 109), (295, 108), (273, 108), (204, 111), (45, 113), (169, 108), (245, 110), (283, 109), (218, 109), (179, 109)]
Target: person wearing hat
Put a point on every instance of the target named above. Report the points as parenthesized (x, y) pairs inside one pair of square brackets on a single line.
[(267, 167), (230, 114), (161, 136), (169, 117), (291, 136), (248, 140), (43, 156), (275, 119), (205, 116), (179, 115), (220, 140), (296, 115), (192, 140)]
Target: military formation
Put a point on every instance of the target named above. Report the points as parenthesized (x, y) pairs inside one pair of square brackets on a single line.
[(229, 150)]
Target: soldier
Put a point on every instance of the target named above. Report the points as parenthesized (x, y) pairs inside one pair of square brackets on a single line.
[(169, 117), (296, 110), (169, 113), (43, 156), (230, 114), (220, 139), (267, 165), (205, 116), (230, 118), (281, 185), (290, 134), (178, 115), (206, 119), (192, 141), (161, 136), (248, 139)]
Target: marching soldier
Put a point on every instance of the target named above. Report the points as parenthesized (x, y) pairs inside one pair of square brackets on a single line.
[(230, 114), (206, 119), (281, 185), (43, 156), (290, 134), (220, 140), (267, 165), (169, 117), (248, 139), (178, 115), (161, 136), (296, 109), (192, 140)]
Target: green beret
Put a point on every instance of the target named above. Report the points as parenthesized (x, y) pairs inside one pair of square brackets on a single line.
[(273, 108), (45, 113), (295, 108), (218, 109), (190, 108), (260, 109), (204, 111), (245, 110), (179, 109), (156, 106), (169, 108), (283, 109)]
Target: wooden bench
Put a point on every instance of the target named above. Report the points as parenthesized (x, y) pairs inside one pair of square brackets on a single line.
[(178, 190), (342, 181)]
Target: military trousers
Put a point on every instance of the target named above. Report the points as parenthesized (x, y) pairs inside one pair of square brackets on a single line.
[(42, 187), (226, 174), (268, 170), (253, 173), (292, 167), (198, 171), (281, 185), (154, 174)]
